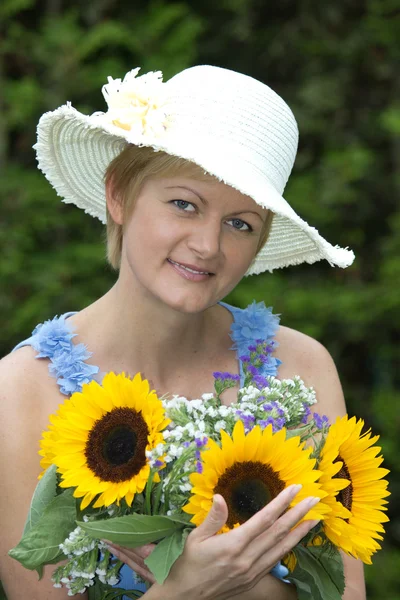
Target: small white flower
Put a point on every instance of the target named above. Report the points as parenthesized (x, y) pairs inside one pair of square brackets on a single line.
[(160, 449), (207, 396), (219, 425), (212, 412)]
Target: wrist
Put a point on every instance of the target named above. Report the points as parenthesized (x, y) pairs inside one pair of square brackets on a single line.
[(161, 592)]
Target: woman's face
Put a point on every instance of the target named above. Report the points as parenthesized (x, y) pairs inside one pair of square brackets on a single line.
[(189, 242)]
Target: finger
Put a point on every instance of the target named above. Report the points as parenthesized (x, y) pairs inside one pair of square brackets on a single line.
[(144, 551), (282, 527), (267, 516), (141, 570), (129, 553), (214, 521), (268, 560)]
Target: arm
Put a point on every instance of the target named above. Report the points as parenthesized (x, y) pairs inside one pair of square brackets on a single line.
[(304, 356), (23, 416)]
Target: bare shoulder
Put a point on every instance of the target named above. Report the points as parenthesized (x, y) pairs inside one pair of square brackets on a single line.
[(300, 352), (304, 356), (28, 395)]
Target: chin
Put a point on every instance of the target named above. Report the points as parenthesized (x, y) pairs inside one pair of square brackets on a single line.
[(186, 302)]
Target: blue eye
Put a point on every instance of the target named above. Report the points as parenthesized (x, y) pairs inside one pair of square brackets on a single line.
[(240, 225), (184, 205)]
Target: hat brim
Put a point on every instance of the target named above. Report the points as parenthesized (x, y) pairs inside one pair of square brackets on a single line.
[(74, 150)]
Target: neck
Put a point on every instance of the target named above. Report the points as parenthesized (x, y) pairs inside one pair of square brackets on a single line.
[(136, 336)]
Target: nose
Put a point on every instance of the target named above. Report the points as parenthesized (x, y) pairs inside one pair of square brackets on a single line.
[(205, 238)]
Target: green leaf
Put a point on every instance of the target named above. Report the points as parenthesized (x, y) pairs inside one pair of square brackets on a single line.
[(317, 573), (40, 546), (104, 591), (133, 530), (165, 554), (44, 493), (332, 563)]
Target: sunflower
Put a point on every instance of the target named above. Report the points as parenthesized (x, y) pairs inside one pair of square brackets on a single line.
[(249, 471), (99, 437), (355, 521)]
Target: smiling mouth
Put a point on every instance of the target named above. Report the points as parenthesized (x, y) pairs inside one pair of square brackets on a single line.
[(188, 268)]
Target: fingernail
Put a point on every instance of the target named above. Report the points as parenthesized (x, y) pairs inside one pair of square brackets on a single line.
[(294, 489), (112, 549), (313, 501)]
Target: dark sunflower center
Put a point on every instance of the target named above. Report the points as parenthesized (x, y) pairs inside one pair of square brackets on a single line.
[(345, 496), (247, 487), (116, 446), (119, 446)]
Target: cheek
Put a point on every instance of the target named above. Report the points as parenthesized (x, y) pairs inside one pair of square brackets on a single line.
[(148, 235), (239, 256)]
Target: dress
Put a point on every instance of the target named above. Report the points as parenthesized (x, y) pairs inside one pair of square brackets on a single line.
[(53, 340)]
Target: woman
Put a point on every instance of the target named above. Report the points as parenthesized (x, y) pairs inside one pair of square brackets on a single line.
[(189, 176)]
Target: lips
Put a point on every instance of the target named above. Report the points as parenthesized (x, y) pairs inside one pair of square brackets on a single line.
[(190, 268)]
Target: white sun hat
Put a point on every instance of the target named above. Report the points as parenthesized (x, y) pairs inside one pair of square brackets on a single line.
[(233, 126)]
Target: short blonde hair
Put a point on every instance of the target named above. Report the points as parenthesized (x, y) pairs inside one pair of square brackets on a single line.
[(126, 175)]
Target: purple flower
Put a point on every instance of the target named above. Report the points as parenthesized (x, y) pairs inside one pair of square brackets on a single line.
[(307, 413), (279, 423), (199, 467), (70, 368), (200, 442), (226, 376), (255, 322), (52, 335), (158, 463), (186, 444), (245, 358), (320, 422), (252, 348), (247, 420), (269, 406), (253, 370), (197, 454), (260, 381), (265, 422)]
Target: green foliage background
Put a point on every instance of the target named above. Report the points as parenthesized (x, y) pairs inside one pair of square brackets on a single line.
[(336, 64)]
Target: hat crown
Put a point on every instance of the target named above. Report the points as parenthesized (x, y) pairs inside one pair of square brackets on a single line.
[(245, 118)]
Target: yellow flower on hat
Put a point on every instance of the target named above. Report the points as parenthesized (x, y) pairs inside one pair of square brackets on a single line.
[(135, 103)]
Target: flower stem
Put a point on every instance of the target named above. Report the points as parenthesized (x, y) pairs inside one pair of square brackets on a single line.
[(149, 488)]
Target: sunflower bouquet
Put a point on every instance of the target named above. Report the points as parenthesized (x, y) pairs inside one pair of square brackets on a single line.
[(123, 465)]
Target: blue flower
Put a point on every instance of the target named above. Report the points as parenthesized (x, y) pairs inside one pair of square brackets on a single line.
[(68, 364), (321, 422), (51, 336), (253, 323), (270, 366)]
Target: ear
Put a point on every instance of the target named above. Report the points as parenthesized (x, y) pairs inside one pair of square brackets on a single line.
[(114, 203)]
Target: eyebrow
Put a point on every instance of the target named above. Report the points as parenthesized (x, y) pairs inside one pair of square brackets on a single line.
[(238, 212), (185, 187)]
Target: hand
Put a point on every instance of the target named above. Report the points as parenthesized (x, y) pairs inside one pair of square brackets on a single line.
[(134, 558), (218, 567), (221, 566)]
